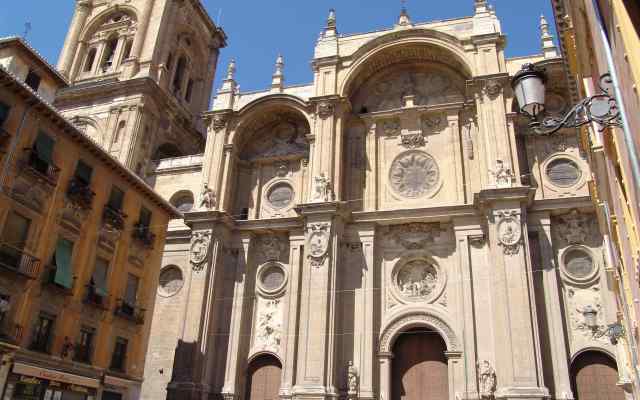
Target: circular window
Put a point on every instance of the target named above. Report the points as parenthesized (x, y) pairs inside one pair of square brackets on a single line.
[(183, 201), (417, 280), (272, 278), (170, 281), (578, 263), (563, 172), (280, 195)]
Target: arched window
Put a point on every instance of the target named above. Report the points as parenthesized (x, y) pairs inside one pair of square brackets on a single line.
[(119, 131), (91, 58), (189, 92), (183, 201), (109, 54), (127, 49), (179, 75), (167, 150), (169, 63)]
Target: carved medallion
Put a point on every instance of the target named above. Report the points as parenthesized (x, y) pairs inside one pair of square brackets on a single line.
[(574, 228), (318, 239), (414, 174), (415, 236), (325, 110), (271, 248), (417, 280), (509, 232), (199, 253), (219, 122)]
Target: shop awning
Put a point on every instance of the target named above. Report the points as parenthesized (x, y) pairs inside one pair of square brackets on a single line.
[(58, 376)]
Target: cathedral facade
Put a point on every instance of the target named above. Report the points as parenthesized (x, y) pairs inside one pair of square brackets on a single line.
[(390, 231)]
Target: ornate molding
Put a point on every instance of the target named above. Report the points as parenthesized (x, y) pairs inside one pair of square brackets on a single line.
[(219, 122), (325, 109), (417, 319), (509, 231), (573, 228), (272, 248), (415, 236), (492, 88), (318, 238), (200, 249)]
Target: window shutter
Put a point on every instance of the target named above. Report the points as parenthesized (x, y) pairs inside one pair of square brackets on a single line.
[(64, 275), (145, 217), (132, 290), (4, 113), (116, 198), (84, 172), (44, 147), (100, 276)]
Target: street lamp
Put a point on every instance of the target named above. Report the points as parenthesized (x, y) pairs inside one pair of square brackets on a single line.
[(529, 88)]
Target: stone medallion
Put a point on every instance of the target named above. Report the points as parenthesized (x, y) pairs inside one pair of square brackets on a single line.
[(199, 249), (318, 239), (509, 232), (417, 280), (414, 174)]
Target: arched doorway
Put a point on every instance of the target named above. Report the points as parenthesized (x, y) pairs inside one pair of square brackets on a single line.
[(419, 366), (263, 380), (594, 376)]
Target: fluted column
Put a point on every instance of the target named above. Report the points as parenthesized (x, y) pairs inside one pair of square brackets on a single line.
[(83, 7)]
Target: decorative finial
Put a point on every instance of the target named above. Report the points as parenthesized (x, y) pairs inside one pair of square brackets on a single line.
[(279, 65), (481, 6), (549, 48), (404, 18), (277, 83), (231, 70), (330, 30)]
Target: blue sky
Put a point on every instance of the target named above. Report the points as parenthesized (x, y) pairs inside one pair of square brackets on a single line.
[(258, 30)]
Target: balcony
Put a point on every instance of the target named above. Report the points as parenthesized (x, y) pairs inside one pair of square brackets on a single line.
[(113, 219), (31, 164), (142, 235), (18, 261), (130, 312), (50, 281), (82, 353), (95, 299), (80, 194)]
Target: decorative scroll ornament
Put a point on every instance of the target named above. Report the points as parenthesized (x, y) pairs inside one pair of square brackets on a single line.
[(219, 122), (573, 228), (207, 197), (322, 190), (199, 253), (509, 232), (318, 239), (415, 236), (486, 380), (271, 248), (502, 175), (325, 109), (391, 128), (352, 378), (413, 140)]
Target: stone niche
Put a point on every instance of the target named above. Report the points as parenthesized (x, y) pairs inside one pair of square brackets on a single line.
[(272, 167)]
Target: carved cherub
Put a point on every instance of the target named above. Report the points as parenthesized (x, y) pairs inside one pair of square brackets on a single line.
[(207, 197)]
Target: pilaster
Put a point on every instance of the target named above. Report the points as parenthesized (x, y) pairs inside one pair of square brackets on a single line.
[(83, 7)]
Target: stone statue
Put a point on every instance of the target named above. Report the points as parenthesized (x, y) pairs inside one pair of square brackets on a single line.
[(352, 377), (322, 191), (502, 174), (207, 198), (486, 379)]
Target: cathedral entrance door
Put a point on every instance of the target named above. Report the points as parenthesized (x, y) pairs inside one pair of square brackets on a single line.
[(594, 376), (419, 366), (263, 382)]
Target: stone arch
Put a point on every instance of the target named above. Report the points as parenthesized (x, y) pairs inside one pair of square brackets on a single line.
[(414, 318), (587, 349), (167, 150), (99, 19), (264, 353), (435, 46), (183, 200)]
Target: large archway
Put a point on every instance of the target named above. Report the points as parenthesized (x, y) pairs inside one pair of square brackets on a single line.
[(419, 370), (263, 378), (594, 376)]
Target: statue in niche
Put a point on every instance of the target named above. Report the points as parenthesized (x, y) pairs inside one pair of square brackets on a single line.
[(207, 197), (322, 191), (352, 378), (502, 175), (486, 379)]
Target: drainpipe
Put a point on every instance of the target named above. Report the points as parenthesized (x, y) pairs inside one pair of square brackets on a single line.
[(14, 144)]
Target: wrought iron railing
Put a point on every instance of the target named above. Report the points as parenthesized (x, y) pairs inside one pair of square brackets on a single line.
[(17, 260), (31, 162), (130, 311), (80, 194), (113, 218)]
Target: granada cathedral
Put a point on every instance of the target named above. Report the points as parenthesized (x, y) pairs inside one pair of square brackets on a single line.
[(389, 231)]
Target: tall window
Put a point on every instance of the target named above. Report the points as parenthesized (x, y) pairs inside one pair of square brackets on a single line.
[(84, 346), (42, 153), (116, 198), (99, 278), (42, 333), (62, 272), (179, 75), (127, 49), (4, 112), (144, 222), (189, 92), (91, 59), (14, 239), (33, 80), (118, 358), (109, 54), (83, 173)]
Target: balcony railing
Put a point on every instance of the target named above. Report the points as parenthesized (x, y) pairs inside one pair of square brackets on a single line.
[(50, 280), (113, 218), (80, 194), (142, 235), (42, 169), (128, 311), (93, 298), (18, 261)]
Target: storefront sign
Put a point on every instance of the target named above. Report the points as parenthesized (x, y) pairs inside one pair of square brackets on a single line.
[(24, 369)]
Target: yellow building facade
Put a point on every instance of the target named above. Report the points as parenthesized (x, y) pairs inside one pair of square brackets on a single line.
[(81, 239), (600, 37)]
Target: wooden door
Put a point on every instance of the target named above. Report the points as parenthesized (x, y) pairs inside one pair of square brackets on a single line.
[(264, 379), (594, 376), (420, 367)]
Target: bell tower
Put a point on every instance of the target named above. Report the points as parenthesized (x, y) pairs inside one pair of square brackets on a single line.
[(141, 72)]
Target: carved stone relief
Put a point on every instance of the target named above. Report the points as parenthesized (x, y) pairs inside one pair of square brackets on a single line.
[(486, 380), (502, 175), (414, 174), (322, 189), (272, 247), (199, 252), (207, 198), (352, 378), (574, 227), (586, 316), (278, 138), (509, 231), (318, 238), (325, 109), (416, 236), (417, 280), (268, 326)]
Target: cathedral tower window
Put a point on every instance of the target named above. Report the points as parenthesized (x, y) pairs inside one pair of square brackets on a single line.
[(179, 75), (189, 91), (127, 49), (91, 58), (109, 54)]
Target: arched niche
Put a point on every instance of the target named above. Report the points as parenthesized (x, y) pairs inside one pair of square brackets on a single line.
[(416, 319)]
